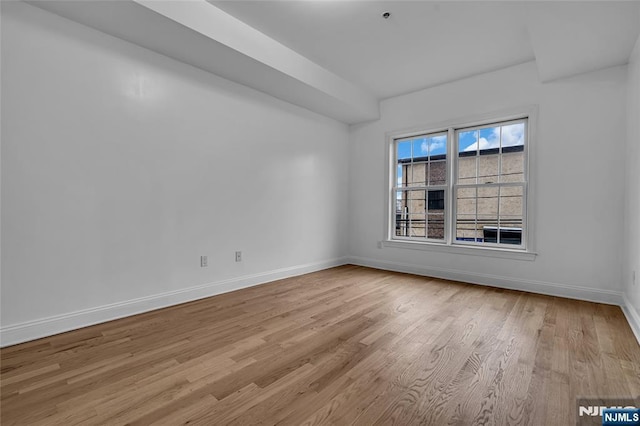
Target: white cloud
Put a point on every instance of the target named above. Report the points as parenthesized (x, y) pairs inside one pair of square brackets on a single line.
[(437, 145), (512, 135), (423, 147), (484, 144), (437, 142)]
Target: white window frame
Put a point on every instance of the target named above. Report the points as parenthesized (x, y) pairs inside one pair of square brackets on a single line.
[(426, 189), (449, 245)]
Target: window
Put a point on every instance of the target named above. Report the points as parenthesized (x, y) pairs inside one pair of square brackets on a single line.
[(476, 197), (436, 200), (421, 167)]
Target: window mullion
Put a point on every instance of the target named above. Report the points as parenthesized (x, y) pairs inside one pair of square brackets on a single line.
[(452, 149), (499, 188)]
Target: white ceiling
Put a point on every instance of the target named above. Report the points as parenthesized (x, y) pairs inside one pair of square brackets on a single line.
[(570, 38), (339, 58), (427, 43), (422, 44)]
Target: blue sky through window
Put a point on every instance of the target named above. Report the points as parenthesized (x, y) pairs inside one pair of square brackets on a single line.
[(467, 140), (491, 137), (422, 147)]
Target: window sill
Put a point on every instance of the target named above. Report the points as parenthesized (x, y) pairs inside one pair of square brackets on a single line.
[(465, 250)]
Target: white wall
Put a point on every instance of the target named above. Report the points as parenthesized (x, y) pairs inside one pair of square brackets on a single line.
[(632, 194), (578, 179), (120, 167)]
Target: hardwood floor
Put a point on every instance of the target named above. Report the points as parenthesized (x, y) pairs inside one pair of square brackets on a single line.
[(348, 345)]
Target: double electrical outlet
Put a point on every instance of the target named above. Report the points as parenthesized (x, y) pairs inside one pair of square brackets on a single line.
[(204, 260)]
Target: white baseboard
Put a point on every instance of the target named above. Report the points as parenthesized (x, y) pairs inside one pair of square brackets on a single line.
[(633, 317), (552, 289), (44, 327)]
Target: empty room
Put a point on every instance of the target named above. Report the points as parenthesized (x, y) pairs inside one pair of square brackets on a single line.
[(320, 212)]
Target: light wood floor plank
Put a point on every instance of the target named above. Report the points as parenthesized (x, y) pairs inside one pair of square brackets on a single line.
[(347, 345)]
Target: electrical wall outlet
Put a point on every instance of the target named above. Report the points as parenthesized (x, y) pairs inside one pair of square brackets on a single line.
[(238, 256), (204, 262), (633, 277), (379, 244)]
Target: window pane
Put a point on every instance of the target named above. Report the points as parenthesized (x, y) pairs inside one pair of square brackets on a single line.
[(487, 213), (416, 201), (420, 149), (422, 161), (437, 147), (401, 214), (489, 139), (490, 214), (404, 150), (467, 170), (416, 209), (491, 154), (435, 226), (466, 227), (511, 200), (512, 135), (466, 214), (511, 213), (417, 226), (488, 168), (417, 174), (488, 200), (435, 202), (438, 172), (466, 201), (467, 154), (467, 142), (512, 165), (512, 236), (512, 148)]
